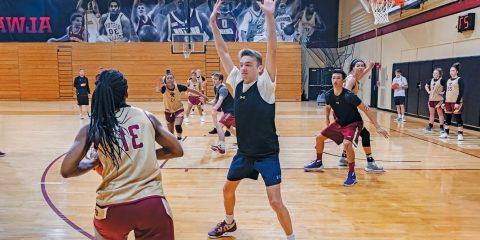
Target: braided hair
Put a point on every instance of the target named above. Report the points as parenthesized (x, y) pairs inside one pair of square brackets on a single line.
[(108, 98)]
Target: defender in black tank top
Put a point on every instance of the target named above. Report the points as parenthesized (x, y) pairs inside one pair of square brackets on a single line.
[(255, 119), (223, 102)]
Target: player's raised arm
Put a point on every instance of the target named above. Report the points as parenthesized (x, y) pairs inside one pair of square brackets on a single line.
[(220, 44), (268, 7), (126, 28)]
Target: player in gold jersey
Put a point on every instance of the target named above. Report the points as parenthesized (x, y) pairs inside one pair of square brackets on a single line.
[(454, 102), (435, 89), (123, 140), (174, 110)]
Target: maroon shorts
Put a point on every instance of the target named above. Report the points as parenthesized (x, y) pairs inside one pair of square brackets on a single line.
[(194, 100), (176, 117), (450, 108), (434, 104), (148, 217), (228, 119), (338, 133)]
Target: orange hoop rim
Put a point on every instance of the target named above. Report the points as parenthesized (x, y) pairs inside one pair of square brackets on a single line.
[(400, 3)]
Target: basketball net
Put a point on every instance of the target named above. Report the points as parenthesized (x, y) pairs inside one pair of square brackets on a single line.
[(187, 49), (381, 9)]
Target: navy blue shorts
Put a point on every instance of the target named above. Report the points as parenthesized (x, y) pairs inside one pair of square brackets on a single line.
[(247, 167)]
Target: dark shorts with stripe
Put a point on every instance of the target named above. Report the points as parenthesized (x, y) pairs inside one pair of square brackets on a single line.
[(248, 167), (176, 117), (194, 100), (450, 108), (228, 119), (82, 100), (434, 104), (400, 100), (149, 218), (338, 133)]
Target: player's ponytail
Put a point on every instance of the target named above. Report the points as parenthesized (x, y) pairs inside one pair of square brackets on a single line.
[(109, 96), (456, 66)]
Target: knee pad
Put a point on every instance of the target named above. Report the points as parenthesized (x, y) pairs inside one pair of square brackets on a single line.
[(178, 128), (365, 134), (448, 119), (458, 118)]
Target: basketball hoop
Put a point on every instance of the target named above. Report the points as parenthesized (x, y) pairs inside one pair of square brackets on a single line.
[(381, 9), (188, 43), (188, 48)]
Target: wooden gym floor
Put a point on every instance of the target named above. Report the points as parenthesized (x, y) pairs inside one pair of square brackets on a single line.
[(428, 192)]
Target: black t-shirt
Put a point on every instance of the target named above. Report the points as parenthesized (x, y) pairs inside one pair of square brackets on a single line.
[(344, 106), (181, 88), (81, 90)]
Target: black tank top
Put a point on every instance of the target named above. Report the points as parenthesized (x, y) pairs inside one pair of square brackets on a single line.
[(255, 123), (227, 104)]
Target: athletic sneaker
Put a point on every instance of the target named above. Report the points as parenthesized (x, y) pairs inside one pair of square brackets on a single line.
[(399, 119), (2, 154), (342, 162), (222, 228), (460, 137), (444, 135), (214, 131), (351, 179), (314, 166), (202, 118), (227, 134), (373, 167), (403, 119), (428, 130), (81, 116), (186, 120), (219, 149), (179, 138)]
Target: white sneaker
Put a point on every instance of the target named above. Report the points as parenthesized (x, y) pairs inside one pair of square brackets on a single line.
[(444, 135), (186, 120), (460, 137), (81, 116), (403, 119), (202, 119)]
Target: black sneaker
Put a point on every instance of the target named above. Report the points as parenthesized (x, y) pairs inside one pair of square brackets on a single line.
[(227, 134), (2, 154), (214, 131), (179, 138)]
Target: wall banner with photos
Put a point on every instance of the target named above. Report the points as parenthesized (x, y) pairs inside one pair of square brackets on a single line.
[(309, 21)]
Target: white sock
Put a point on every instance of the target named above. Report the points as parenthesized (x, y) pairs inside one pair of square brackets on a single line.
[(291, 237), (229, 219), (368, 155), (399, 115), (403, 115)]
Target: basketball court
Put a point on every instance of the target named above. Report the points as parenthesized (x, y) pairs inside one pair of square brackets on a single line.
[(428, 191)]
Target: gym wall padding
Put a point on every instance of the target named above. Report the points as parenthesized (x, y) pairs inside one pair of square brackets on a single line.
[(45, 71), (421, 72)]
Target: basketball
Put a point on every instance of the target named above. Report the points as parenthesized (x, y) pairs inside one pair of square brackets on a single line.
[(289, 29), (148, 33), (395, 86)]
